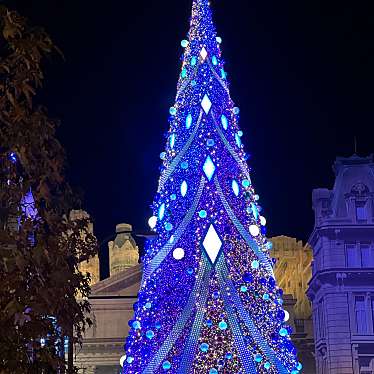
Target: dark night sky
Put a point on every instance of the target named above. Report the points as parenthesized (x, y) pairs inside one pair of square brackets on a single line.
[(302, 73)]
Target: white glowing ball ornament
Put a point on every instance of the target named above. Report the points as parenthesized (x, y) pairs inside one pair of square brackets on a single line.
[(254, 230), (152, 222), (263, 221), (286, 315), (122, 360), (178, 253)]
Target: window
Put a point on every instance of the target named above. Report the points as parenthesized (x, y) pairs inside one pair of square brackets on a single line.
[(299, 325), (321, 320), (361, 213), (367, 255), (353, 256), (361, 316)]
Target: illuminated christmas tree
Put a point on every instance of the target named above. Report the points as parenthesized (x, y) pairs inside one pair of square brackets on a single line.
[(208, 301)]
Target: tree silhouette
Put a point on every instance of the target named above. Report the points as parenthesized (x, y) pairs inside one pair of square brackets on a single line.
[(43, 295)]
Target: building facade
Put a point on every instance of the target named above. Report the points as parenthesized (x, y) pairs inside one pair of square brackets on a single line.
[(293, 272), (342, 284)]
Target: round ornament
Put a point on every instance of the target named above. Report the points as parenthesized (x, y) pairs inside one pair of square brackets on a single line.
[(178, 253), (122, 360), (254, 230), (152, 222), (204, 347), (166, 365)]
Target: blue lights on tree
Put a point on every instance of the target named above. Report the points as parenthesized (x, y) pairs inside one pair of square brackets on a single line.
[(208, 301)]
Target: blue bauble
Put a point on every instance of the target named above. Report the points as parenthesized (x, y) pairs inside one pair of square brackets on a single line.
[(281, 315), (283, 332), (274, 337), (222, 325), (248, 277), (271, 282), (173, 111), (204, 347), (136, 325), (203, 214), (148, 305), (166, 365)]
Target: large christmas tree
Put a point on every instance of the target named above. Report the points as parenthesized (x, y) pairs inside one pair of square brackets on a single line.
[(208, 301)]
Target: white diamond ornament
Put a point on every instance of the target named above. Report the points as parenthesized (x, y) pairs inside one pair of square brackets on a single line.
[(209, 168), (203, 53), (206, 104), (172, 141), (212, 244), (235, 187), (161, 212), (188, 121), (184, 188)]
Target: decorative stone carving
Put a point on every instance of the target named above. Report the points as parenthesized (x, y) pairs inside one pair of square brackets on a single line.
[(293, 271), (123, 251)]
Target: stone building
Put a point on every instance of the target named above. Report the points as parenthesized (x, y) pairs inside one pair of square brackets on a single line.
[(293, 272), (342, 284), (112, 300)]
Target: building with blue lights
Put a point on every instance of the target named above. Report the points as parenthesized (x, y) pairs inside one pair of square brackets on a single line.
[(342, 284)]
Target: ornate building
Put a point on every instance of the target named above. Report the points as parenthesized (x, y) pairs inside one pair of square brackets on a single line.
[(342, 284), (293, 272)]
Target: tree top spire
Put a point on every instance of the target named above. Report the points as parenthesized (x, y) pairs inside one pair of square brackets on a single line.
[(202, 26)]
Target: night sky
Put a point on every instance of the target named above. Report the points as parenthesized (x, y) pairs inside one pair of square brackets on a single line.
[(302, 73)]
